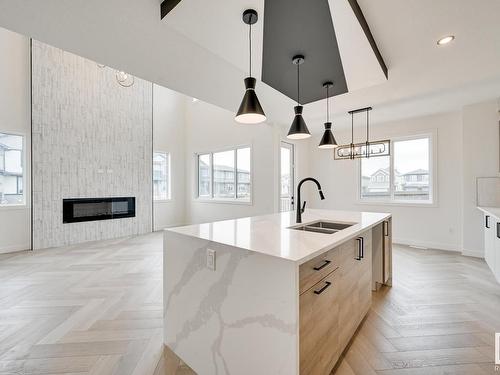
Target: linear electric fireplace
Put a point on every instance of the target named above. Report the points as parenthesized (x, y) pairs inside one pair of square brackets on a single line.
[(91, 209)]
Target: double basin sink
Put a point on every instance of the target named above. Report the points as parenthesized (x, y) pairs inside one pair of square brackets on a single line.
[(324, 227)]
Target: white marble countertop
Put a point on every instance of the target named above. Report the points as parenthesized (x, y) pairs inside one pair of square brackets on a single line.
[(493, 211), (270, 235)]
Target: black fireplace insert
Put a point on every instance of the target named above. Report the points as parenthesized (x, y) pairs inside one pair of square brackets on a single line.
[(92, 209)]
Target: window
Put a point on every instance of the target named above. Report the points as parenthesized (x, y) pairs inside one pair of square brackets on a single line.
[(225, 175), (161, 176), (11, 169), (286, 176), (403, 177), (243, 178), (224, 178), (204, 172)]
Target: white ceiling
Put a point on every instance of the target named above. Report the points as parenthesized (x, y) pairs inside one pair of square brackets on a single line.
[(200, 50)]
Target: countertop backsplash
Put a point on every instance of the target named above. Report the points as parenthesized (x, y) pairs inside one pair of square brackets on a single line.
[(488, 191)]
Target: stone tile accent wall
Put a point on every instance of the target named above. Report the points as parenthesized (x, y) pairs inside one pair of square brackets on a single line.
[(91, 138)]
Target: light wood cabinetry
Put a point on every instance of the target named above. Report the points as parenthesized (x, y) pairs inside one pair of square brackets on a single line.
[(332, 308), (319, 326), (314, 270), (355, 285), (382, 254), (387, 252)]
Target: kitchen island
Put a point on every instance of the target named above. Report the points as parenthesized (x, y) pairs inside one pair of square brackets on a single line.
[(265, 295)]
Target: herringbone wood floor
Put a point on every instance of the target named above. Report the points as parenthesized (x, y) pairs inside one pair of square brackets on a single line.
[(96, 308)]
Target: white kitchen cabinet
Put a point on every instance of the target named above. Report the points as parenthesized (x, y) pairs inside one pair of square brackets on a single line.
[(496, 249), (489, 241), (492, 243)]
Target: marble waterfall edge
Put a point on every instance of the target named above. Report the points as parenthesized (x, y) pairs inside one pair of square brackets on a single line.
[(240, 318)]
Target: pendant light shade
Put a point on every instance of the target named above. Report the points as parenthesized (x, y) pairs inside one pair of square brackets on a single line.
[(250, 111), (298, 129), (328, 140)]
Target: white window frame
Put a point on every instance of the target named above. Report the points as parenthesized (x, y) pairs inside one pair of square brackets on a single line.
[(23, 161), (433, 188), (169, 177), (292, 148), (211, 198)]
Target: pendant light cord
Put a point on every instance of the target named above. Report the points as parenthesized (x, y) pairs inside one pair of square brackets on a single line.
[(250, 44), (352, 127), (367, 126), (327, 106), (351, 156), (298, 84)]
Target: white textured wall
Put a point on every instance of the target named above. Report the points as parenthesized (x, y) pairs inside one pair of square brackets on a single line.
[(15, 111), (91, 138), (438, 226), (169, 136), (480, 159), (210, 128)]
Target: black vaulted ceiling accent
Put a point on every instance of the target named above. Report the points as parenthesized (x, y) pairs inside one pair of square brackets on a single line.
[(301, 27), (167, 6), (366, 29)]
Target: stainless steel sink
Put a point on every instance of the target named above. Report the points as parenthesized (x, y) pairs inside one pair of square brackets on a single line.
[(330, 225), (324, 227)]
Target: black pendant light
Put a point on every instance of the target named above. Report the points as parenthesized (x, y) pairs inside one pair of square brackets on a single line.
[(298, 129), (328, 140), (250, 111)]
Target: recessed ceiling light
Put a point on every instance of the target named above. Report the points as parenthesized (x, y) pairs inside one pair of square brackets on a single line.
[(446, 40)]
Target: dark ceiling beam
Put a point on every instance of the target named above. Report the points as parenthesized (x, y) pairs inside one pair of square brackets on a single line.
[(167, 5), (364, 25)]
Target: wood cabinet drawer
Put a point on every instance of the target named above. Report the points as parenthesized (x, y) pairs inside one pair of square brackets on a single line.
[(319, 326), (315, 269)]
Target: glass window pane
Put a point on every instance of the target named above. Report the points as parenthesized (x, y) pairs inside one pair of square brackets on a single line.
[(161, 178), (285, 171), (224, 177), (411, 169), (286, 177), (204, 171), (11, 169), (244, 178), (375, 177)]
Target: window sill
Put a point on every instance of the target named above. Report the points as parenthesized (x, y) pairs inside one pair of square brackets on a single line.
[(7, 207), (224, 201), (400, 204)]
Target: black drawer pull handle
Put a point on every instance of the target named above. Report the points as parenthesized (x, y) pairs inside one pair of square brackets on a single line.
[(326, 263), (327, 284), (498, 230), (487, 224), (361, 248)]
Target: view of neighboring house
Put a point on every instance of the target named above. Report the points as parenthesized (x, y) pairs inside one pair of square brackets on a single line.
[(11, 169), (224, 181), (411, 185)]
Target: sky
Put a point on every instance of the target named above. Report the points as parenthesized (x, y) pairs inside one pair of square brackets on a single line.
[(226, 158), (408, 156)]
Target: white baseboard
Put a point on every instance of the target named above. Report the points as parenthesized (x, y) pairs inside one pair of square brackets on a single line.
[(427, 244), (439, 246), (475, 254), (161, 227), (14, 248)]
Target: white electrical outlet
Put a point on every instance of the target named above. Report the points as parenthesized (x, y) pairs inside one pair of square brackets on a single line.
[(211, 259)]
